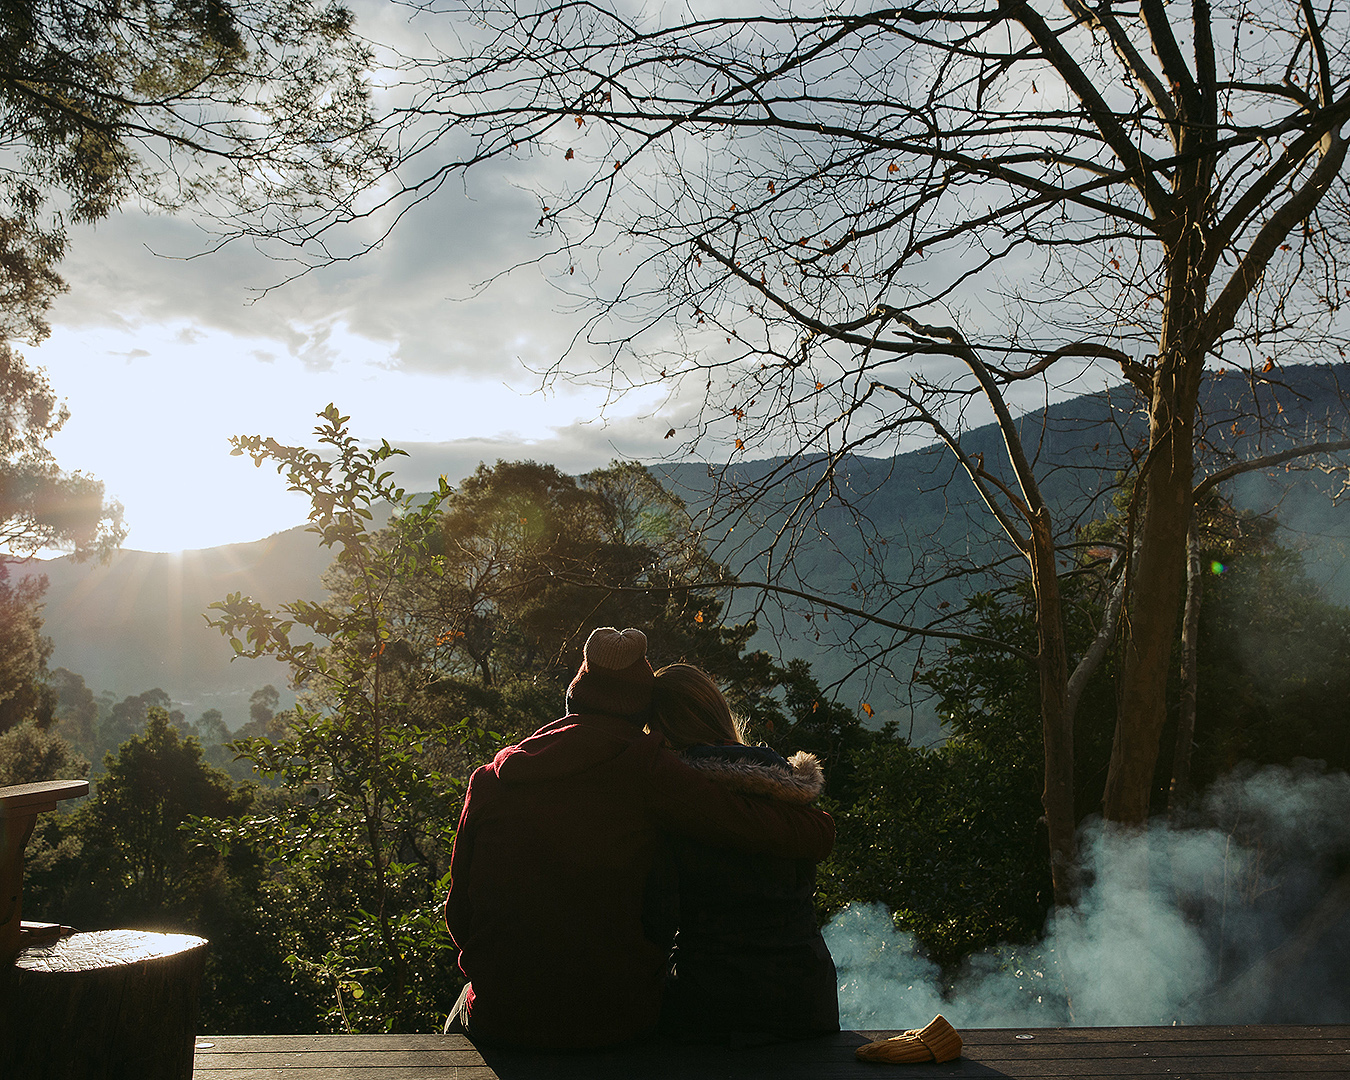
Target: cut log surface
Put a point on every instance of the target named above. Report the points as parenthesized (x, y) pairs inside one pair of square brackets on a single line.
[(1166, 1053), (104, 1005)]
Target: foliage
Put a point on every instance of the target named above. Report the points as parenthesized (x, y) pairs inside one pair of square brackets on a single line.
[(534, 559), (370, 766), (128, 717), (29, 754), (24, 694), (1273, 685), (799, 715), (135, 852), (41, 506), (263, 720), (949, 840), (259, 103), (75, 712)]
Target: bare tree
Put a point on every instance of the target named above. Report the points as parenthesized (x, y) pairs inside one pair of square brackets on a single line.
[(842, 228)]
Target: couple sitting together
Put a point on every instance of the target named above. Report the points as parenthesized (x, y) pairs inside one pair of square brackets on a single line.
[(634, 867)]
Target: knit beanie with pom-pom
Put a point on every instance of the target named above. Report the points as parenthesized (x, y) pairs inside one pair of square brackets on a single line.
[(614, 676)]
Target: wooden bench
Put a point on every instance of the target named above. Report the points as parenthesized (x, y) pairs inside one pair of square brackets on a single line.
[(19, 808)]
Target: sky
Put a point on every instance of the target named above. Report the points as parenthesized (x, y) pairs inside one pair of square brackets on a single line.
[(161, 358)]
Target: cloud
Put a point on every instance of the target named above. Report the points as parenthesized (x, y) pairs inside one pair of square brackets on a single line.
[(419, 295), (574, 448)]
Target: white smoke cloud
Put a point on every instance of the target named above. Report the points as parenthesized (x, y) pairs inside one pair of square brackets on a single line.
[(1237, 918)]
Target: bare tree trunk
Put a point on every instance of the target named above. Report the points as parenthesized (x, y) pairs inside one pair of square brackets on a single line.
[(1056, 718), (1190, 634), (1167, 474), (1155, 593)]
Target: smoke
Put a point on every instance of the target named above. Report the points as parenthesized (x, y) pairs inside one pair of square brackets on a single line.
[(1240, 917)]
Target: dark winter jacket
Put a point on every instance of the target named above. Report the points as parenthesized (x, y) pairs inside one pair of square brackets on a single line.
[(549, 866), (748, 955)]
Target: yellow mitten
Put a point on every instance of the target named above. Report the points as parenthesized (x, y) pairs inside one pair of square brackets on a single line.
[(936, 1042)]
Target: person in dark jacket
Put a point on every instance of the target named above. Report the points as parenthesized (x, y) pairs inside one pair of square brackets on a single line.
[(555, 844), (748, 956)]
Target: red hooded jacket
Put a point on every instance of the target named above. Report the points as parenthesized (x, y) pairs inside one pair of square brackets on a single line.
[(549, 867)]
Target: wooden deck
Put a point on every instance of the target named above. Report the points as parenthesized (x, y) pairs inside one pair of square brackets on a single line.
[(1176, 1053)]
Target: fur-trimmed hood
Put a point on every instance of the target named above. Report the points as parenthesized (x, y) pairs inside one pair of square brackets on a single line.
[(753, 770)]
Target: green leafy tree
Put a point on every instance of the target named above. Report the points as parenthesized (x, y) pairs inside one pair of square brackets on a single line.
[(40, 505), (24, 693), (135, 852), (797, 714), (76, 710), (128, 717), (263, 720), (210, 728), (361, 840), (1272, 684), (212, 732), (29, 754), (535, 559), (257, 107)]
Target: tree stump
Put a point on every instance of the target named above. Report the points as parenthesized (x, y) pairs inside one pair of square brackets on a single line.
[(104, 1005)]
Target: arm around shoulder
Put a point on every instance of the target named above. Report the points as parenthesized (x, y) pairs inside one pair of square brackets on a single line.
[(686, 803)]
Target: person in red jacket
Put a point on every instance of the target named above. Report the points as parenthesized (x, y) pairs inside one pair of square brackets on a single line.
[(555, 844)]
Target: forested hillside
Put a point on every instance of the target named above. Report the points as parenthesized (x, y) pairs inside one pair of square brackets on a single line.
[(138, 623)]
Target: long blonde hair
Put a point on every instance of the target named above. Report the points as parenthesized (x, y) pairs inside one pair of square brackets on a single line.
[(689, 709)]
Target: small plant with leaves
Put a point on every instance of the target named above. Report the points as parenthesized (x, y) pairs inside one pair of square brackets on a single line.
[(372, 760)]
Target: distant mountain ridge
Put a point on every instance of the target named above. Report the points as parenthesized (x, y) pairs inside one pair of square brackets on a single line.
[(925, 504), (137, 622)]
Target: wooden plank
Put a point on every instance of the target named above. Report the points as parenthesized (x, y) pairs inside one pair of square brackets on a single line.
[(1204, 1053), (988, 1053), (226, 1044), (1098, 1048), (1169, 1052), (323, 1057), (1179, 1033), (352, 1072)]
